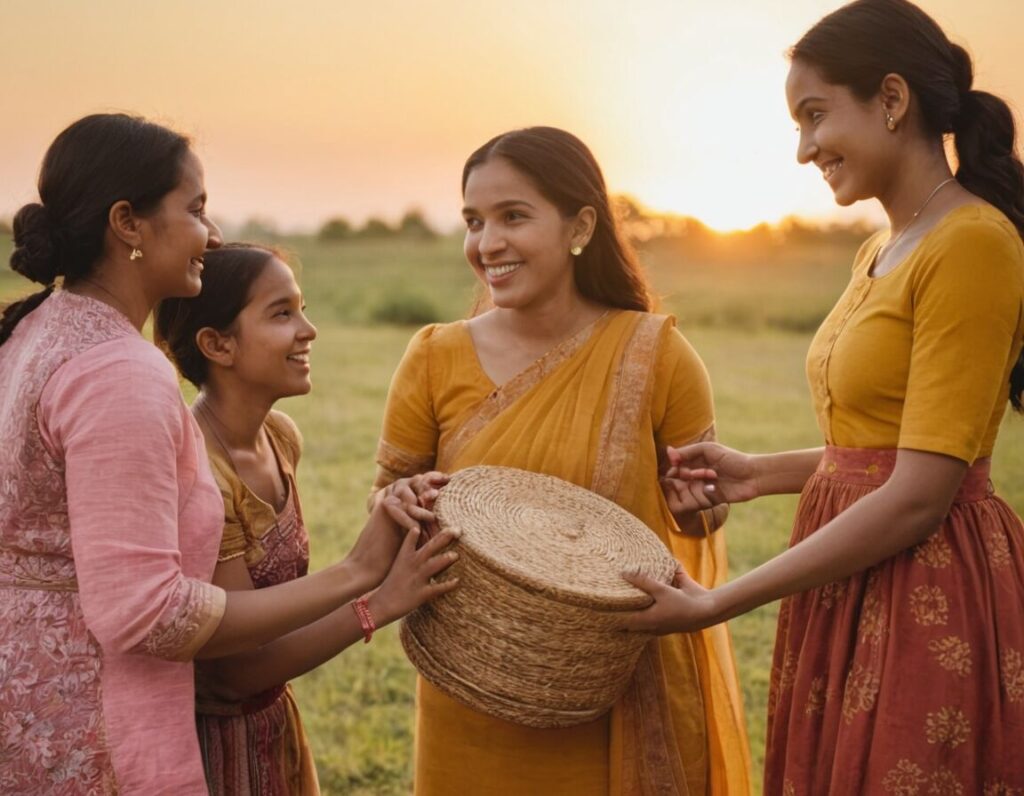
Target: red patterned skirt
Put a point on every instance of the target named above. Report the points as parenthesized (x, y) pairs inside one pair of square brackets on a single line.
[(907, 678), (256, 748)]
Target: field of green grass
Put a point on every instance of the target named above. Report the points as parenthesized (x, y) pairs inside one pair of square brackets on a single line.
[(751, 321)]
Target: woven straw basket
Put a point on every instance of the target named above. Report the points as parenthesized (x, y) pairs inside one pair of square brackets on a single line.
[(530, 634)]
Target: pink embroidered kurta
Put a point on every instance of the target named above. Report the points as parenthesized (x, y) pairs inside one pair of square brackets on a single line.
[(110, 522)]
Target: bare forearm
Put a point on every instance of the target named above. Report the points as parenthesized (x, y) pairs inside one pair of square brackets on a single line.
[(242, 676), (256, 617), (786, 473), (875, 528)]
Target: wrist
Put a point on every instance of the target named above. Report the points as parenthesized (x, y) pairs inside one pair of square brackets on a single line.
[(350, 577), (761, 468), (365, 616), (380, 608)]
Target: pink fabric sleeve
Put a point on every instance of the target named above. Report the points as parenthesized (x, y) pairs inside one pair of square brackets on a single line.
[(116, 417)]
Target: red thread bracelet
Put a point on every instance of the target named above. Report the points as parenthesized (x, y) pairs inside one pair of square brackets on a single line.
[(362, 609)]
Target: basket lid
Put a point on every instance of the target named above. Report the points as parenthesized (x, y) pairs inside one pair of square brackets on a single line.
[(551, 536)]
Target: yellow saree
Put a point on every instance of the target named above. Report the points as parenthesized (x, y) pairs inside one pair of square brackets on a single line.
[(594, 411)]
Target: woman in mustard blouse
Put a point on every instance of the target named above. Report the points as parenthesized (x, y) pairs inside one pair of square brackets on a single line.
[(899, 660)]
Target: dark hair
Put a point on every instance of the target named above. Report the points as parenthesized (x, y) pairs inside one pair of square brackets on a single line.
[(228, 276), (567, 174), (859, 44), (94, 163)]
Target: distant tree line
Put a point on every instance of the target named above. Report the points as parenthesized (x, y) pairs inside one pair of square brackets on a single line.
[(689, 237), (412, 226)]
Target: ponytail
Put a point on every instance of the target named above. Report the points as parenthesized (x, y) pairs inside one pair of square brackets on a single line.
[(860, 43), (985, 137)]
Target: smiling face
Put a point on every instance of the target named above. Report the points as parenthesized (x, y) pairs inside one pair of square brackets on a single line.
[(272, 336), (517, 241), (175, 237), (843, 136)]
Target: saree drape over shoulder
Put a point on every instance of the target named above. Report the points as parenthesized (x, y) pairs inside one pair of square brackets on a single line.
[(593, 411)]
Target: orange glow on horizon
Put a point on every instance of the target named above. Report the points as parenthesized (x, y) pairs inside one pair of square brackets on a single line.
[(327, 109)]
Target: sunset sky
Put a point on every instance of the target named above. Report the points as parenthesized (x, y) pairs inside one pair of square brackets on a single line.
[(315, 108)]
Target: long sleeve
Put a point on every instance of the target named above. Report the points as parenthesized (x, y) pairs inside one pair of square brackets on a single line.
[(116, 418)]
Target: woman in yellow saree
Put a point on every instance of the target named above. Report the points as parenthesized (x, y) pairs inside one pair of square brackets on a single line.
[(569, 374)]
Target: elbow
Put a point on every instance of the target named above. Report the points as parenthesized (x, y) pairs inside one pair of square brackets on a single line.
[(922, 516), (212, 683)]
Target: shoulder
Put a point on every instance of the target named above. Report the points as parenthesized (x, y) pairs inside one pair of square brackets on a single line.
[(979, 239), (128, 368), (431, 336), (661, 340), (284, 431)]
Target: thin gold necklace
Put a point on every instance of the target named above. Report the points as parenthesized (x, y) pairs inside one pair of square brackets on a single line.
[(212, 421), (894, 239)]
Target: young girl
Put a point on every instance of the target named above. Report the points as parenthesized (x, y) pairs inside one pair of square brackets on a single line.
[(569, 374), (899, 660), (245, 342)]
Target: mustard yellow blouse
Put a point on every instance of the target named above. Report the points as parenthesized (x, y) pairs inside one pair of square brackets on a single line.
[(246, 516), (921, 357)]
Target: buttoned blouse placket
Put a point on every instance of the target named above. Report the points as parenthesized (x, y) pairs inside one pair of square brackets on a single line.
[(854, 299)]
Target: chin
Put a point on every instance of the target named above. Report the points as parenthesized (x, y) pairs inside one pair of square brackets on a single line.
[(192, 288)]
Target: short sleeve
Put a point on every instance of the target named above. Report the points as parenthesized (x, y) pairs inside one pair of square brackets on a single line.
[(967, 304), (233, 542), (682, 401), (409, 438), (116, 417)]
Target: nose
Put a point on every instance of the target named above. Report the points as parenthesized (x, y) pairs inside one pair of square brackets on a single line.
[(308, 330), (492, 240), (215, 239), (806, 148)]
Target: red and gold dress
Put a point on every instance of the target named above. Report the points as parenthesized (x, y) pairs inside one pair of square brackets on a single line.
[(908, 678), (258, 747)]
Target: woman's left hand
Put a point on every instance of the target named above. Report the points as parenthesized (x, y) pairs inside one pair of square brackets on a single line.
[(682, 607)]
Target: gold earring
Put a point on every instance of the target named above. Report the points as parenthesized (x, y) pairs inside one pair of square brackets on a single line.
[(135, 255), (890, 122), (576, 251)]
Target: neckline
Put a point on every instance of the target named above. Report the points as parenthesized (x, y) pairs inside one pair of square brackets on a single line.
[(574, 339), (941, 222), (224, 455), (109, 310)]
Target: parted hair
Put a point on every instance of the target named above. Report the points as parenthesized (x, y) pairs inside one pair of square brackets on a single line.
[(567, 174), (95, 162), (858, 44)]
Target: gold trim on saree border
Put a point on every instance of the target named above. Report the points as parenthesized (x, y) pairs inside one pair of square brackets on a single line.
[(628, 399), (514, 389)]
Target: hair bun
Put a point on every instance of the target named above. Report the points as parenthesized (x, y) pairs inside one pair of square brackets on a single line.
[(963, 69), (36, 245)]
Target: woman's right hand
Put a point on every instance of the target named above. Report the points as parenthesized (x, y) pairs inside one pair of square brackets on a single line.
[(410, 582), (736, 472)]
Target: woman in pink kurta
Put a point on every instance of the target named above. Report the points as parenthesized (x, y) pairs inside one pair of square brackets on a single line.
[(109, 529), (110, 520)]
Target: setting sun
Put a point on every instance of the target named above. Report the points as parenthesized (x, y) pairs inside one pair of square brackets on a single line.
[(333, 109)]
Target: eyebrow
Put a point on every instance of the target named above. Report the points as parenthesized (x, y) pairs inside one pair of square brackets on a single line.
[(284, 300), (502, 205), (200, 198), (804, 101)]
